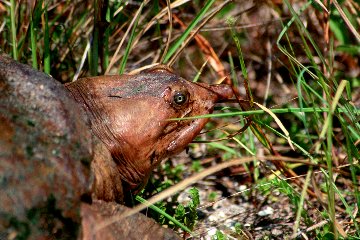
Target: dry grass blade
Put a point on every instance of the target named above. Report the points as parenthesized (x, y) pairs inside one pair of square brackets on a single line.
[(206, 20), (138, 70), (322, 5), (228, 135), (347, 21), (170, 29), (332, 109), (209, 52), (277, 120), (113, 59), (158, 16), (83, 58), (300, 206)]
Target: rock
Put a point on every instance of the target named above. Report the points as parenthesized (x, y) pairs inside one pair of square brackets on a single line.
[(45, 155), (134, 227)]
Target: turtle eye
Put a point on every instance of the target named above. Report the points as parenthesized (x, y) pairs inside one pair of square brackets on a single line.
[(180, 98)]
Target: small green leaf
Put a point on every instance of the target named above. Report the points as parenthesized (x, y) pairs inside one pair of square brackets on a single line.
[(195, 197), (180, 212)]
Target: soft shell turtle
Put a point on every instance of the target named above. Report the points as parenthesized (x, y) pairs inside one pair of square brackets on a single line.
[(63, 149)]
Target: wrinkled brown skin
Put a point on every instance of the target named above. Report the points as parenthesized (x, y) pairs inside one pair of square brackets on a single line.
[(129, 114)]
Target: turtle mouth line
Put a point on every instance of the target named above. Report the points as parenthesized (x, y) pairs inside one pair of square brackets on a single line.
[(173, 125), (170, 127)]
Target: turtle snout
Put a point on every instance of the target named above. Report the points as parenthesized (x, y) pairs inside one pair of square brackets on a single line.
[(222, 91)]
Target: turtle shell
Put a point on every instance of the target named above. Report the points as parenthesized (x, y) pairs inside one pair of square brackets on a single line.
[(45, 155)]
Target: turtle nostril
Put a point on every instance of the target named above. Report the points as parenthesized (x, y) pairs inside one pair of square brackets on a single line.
[(218, 91), (222, 91)]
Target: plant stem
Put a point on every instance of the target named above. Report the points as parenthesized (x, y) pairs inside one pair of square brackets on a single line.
[(13, 29)]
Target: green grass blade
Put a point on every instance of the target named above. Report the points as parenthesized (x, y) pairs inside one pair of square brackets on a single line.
[(35, 18), (304, 30), (94, 59), (46, 42), (197, 76), (300, 206), (13, 29), (234, 78), (245, 147), (188, 30), (130, 42), (33, 45), (223, 147), (106, 48), (256, 112), (354, 167), (283, 33), (259, 134), (242, 62), (306, 153), (158, 210)]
